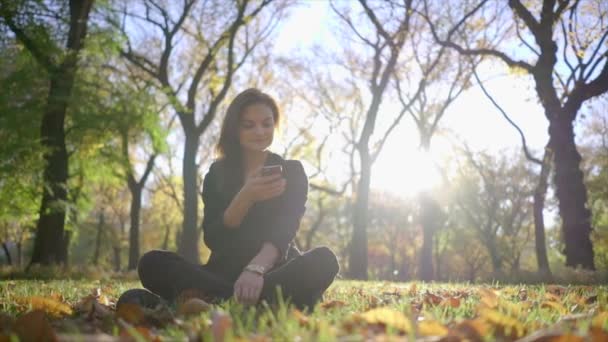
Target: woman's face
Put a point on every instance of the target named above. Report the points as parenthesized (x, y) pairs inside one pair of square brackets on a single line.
[(256, 128)]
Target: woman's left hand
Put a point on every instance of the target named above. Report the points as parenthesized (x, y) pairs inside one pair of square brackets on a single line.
[(248, 287)]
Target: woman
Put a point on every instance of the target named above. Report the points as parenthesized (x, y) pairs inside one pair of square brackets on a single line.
[(249, 222)]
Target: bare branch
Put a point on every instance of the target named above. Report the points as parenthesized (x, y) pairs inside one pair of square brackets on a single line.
[(529, 156)]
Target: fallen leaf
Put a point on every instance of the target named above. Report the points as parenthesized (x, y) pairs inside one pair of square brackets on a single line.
[(451, 302), (432, 328), (506, 325), (432, 299), (386, 317), (300, 317), (600, 320), (488, 297), (556, 289), (554, 306), (34, 326), (48, 305), (333, 304), (221, 325)]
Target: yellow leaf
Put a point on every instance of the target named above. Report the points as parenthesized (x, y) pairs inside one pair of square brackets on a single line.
[(555, 306), (432, 328), (387, 317), (509, 325), (48, 305), (489, 298), (600, 320)]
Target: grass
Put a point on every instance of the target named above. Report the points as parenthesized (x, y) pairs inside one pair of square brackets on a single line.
[(351, 311)]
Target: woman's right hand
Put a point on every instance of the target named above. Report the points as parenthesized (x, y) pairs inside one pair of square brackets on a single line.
[(259, 188)]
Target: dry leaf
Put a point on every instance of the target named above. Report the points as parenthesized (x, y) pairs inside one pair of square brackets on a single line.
[(333, 304), (432, 328), (48, 305), (600, 320), (221, 325), (555, 306), (506, 325), (556, 289), (302, 318), (432, 299), (35, 327), (386, 317), (488, 297)]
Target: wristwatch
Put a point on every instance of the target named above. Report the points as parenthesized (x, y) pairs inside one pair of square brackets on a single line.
[(259, 269)]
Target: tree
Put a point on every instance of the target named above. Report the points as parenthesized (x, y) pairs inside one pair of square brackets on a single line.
[(390, 27), (569, 65), (211, 31), (60, 65), (494, 198)]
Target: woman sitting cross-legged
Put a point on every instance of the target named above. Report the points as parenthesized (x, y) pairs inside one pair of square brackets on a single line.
[(253, 203)]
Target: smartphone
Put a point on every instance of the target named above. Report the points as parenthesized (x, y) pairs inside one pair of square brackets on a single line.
[(271, 170)]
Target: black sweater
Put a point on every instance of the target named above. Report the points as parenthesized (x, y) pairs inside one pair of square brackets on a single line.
[(276, 220)]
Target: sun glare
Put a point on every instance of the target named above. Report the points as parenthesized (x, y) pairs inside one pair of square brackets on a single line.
[(415, 172)]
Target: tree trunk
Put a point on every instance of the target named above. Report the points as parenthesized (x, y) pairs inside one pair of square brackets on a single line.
[(7, 252), (134, 228), (188, 248), (19, 255), (428, 218), (50, 226), (116, 250), (165, 245), (539, 223), (494, 256), (100, 225), (358, 247), (50, 238), (571, 193)]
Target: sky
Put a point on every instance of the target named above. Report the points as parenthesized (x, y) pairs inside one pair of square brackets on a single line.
[(472, 118)]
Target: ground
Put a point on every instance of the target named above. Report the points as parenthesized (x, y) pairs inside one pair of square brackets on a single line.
[(84, 310)]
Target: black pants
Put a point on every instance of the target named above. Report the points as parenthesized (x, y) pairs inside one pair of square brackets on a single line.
[(302, 279)]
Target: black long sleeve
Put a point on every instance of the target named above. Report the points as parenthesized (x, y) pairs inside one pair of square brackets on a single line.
[(275, 221)]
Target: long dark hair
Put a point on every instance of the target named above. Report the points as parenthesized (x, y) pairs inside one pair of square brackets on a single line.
[(229, 146)]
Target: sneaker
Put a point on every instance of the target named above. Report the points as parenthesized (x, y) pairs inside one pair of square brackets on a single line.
[(142, 298)]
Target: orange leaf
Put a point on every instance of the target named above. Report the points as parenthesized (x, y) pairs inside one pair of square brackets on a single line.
[(302, 318), (600, 320), (451, 301), (432, 299), (34, 326), (48, 305), (221, 323), (488, 298)]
